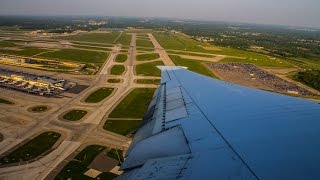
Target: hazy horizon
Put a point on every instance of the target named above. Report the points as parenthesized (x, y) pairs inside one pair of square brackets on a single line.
[(286, 12)]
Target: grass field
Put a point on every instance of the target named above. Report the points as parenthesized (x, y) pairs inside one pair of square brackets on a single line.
[(124, 50), (143, 38), (76, 168), (189, 54), (7, 44), (39, 109), (147, 57), (3, 101), (117, 70), (187, 45), (144, 43), (107, 38), (125, 39), (15, 41), (74, 115), (77, 55), (123, 127), (310, 78), (121, 58), (93, 47), (144, 49), (255, 58), (97, 45), (148, 81), (32, 148), (305, 63), (144, 35), (25, 51), (149, 69), (116, 154), (114, 80), (134, 105), (193, 65), (179, 42), (99, 95)]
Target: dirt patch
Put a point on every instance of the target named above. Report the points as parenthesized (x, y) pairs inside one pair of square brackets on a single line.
[(49, 45), (210, 59), (252, 76), (14, 119), (281, 71), (103, 163)]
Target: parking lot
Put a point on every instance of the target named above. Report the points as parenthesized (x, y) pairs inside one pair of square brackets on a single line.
[(252, 76)]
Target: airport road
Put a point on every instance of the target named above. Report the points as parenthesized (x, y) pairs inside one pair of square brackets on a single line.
[(86, 131), (162, 52), (110, 60)]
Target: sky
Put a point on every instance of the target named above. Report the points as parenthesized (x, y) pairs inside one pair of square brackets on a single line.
[(283, 12)]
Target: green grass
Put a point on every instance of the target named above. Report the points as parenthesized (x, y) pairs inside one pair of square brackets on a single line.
[(89, 48), (107, 38), (77, 55), (144, 49), (123, 127), (121, 58), (134, 105), (147, 57), (7, 44), (255, 58), (190, 54), (32, 149), (310, 78), (99, 45), (310, 64), (76, 168), (140, 31), (3, 101), (74, 115), (26, 51), (17, 41), (117, 70), (144, 43), (149, 69), (125, 39), (188, 45), (142, 35), (143, 38), (193, 65), (116, 154), (179, 42), (124, 50), (99, 95), (114, 80), (39, 109), (148, 81)]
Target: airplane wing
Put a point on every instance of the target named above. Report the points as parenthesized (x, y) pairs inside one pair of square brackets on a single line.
[(197, 127)]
